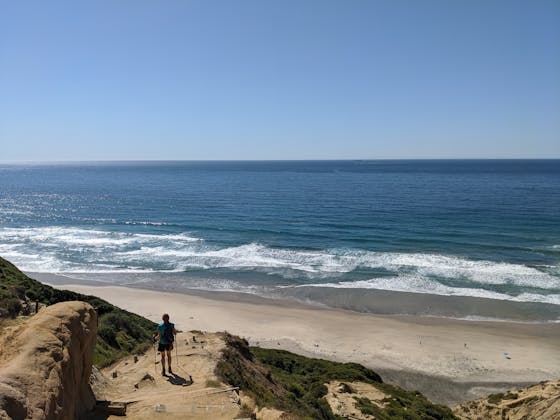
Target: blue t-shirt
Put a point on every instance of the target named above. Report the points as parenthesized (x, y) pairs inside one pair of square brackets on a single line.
[(161, 330)]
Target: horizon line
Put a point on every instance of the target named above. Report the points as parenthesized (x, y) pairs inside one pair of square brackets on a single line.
[(70, 161)]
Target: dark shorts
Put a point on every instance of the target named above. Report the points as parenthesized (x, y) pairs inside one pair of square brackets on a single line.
[(165, 347)]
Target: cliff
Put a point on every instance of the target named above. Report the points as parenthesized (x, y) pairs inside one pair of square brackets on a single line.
[(46, 362), (541, 401), (120, 333)]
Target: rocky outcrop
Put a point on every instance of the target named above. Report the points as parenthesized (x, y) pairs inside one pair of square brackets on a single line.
[(541, 401), (45, 364), (343, 398)]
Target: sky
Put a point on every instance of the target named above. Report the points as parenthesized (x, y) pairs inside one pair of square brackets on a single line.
[(359, 79)]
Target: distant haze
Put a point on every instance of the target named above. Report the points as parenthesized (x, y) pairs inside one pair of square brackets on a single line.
[(114, 80)]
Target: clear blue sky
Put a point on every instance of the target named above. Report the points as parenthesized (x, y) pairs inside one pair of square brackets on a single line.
[(262, 79)]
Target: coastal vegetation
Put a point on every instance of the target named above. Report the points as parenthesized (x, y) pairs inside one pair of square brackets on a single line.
[(119, 332), (296, 384), (497, 398)]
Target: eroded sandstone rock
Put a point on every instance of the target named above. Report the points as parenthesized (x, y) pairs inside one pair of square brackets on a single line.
[(46, 363)]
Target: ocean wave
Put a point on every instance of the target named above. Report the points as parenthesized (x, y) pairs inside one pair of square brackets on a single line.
[(211, 285), (245, 256), (417, 284), (323, 264), (69, 237), (71, 249), (16, 212), (132, 222), (68, 249)]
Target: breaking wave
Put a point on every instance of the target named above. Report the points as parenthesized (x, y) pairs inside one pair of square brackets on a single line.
[(418, 284), (75, 250)]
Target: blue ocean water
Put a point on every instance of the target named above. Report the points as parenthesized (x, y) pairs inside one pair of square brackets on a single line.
[(485, 228)]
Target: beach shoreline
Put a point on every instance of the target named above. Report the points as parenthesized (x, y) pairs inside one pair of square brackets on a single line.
[(373, 301), (449, 360)]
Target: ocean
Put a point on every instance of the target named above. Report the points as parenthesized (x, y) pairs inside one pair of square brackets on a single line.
[(484, 229)]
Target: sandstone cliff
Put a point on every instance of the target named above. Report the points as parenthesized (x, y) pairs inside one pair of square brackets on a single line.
[(46, 362), (541, 401)]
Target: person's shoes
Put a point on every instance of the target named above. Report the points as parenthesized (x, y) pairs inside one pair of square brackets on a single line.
[(163, 372), (170, 371)]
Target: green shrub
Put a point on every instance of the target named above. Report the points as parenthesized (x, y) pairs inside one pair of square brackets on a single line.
[(11, 306), (108, 334), (497, 398), (245, 412)]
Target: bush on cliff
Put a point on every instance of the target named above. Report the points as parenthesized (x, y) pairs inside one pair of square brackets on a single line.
[(296, 384), (120, 332)]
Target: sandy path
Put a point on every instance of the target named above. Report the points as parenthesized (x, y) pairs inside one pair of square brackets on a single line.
[(150, 395)]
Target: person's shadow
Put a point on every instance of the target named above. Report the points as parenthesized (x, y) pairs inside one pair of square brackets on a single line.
[(175, 379)]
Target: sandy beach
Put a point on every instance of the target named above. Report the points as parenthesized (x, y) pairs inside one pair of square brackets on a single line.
[(448, 360)]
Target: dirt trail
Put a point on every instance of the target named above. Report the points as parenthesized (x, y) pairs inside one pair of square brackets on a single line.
[(150, 395)]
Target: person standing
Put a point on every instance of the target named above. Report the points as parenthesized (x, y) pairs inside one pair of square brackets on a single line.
[(166, 337)]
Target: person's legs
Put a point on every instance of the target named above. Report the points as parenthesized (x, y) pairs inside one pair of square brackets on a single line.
[(162, 361), (169, 359)]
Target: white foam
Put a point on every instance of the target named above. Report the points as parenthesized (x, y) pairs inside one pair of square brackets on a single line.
[(480, 271), (532, 297), (220, 285), (46, 249), (34, 262), (418, 284), (86, 237), (71, 249), (15, 212), (132, 222)]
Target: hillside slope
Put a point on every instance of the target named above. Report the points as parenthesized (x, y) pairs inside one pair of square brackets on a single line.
[(120, 332), (232, 380), (298, 385)]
